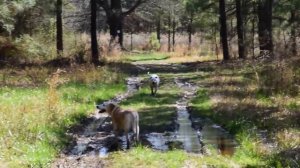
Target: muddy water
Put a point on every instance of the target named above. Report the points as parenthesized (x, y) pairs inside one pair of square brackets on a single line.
[(189, 137), (196, 133)]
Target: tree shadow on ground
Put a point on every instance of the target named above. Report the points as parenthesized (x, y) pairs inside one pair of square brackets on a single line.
[(147, 100), (157, 119), (136, 69), (239, 105)]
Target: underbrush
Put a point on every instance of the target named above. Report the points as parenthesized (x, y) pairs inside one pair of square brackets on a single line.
[(35, 118), (41, 47)]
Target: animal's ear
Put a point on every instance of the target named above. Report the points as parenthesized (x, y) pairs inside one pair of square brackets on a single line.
[(111, 105)]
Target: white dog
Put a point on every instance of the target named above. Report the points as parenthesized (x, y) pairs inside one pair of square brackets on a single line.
[(154, 83), (125, 120)]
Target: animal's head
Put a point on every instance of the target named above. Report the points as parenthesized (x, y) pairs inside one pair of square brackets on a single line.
[(154, 78), (102, 107), (106, 107)]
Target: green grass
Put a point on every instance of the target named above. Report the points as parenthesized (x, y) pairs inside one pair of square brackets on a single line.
[(146, 57), (247, 152), (145, 157), (157, 113), (33, 128), (141, 157)]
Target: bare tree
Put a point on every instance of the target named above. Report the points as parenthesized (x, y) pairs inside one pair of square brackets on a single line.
[(223, 30), (94, 43), (115, 16), (59, 28), (240, 29), (265, 27)]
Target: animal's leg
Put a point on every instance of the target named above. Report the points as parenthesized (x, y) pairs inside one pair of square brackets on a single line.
[(115, 130), (152, 91), (127, 140), (116, 134), (135, 129), (137, 132)]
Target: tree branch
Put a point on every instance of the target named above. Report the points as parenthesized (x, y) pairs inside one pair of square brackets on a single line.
[(138, 2)]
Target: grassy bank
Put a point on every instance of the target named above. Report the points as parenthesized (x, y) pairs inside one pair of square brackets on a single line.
[(233, 96), (144, 157), (35, 116)]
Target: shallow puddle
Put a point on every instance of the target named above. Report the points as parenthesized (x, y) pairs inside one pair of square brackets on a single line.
[(196, 136)]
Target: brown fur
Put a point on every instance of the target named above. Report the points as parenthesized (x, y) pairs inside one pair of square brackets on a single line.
[(125, 120)]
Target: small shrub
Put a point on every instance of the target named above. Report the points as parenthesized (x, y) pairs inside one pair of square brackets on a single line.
[(29, 48), (79, 53), (8, 50), (288, 139), (154, 43), (277, 78), (53, 98)]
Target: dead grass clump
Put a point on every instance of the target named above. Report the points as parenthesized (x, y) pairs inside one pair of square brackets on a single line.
[(277, 78), (89, 74), (288, 139), (28, 77), (53, 98)]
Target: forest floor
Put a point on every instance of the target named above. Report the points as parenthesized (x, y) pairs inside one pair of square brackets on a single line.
[(206, 114)]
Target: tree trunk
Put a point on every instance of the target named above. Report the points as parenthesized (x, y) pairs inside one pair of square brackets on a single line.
[(115, 21), (59, 28), (131, 41), (158, 29), (265, 27), (253, 37), (293, 32), (174, 31), (253, 28), (240, 29), (116, 28), (190, 30), (115, 17), (94, 42), (223, 29), (169, 32)]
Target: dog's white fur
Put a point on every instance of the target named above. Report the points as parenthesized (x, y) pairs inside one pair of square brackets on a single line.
[(154, 83), (125, 120)]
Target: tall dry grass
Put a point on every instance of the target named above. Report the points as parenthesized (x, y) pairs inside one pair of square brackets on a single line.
[(34, 117)]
